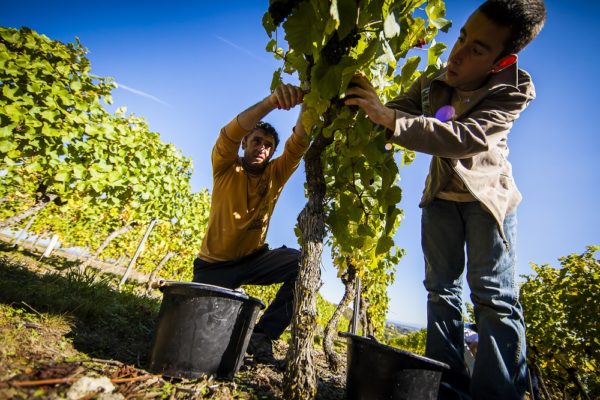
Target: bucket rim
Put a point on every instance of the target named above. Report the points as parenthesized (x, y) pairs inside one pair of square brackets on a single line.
[(373, 342), (212, 288)]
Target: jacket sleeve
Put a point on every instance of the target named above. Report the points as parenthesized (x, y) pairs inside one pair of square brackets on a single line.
[(469, 135), (225, 150), (409, 102)]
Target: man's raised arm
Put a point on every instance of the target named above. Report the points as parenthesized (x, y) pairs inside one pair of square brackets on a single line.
[(226, 148)]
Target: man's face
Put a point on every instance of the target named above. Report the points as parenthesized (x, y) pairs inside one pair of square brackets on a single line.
[(258, 148), (475, 53)]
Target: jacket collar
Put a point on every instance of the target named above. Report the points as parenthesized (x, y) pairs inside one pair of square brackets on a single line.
[(441, 93), (508, 76)]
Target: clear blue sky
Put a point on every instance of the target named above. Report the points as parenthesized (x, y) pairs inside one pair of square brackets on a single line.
[(190, 66)]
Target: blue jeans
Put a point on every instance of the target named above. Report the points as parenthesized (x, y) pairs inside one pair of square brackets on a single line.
[(500, 368)]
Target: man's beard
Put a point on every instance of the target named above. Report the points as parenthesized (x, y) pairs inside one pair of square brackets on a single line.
[(253, 168)]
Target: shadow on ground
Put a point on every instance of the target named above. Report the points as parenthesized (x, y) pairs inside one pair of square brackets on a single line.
[(105, 323)]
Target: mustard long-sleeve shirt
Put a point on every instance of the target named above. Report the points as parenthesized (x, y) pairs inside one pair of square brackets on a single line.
[(242, 204)]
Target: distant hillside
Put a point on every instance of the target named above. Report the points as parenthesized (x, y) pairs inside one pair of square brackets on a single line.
[(396, 327), (402, 327)]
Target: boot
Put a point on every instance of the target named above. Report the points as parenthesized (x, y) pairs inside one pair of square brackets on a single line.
[(261, 349)]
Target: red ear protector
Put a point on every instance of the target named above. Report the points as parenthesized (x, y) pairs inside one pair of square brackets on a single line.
[(505, 62)]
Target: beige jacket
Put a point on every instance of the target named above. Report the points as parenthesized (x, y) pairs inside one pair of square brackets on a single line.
[(474, 144)]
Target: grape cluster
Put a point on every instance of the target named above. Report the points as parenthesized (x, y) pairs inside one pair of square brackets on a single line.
[(281, 9), (420, 43), (339, 102), (335, 48)]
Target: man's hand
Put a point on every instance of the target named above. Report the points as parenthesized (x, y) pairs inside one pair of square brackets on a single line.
[(286, 97), (363, 94)]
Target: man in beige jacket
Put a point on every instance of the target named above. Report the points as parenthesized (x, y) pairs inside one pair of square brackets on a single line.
[(462, 117)]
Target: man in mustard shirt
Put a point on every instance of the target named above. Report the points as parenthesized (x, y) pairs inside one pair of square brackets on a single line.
[(245, 191)]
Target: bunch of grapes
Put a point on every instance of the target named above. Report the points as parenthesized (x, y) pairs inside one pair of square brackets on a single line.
[(281, 9), (340, 102), (335, 48)]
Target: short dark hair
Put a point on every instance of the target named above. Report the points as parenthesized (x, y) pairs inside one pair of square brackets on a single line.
[(525, 18), (268, 129)]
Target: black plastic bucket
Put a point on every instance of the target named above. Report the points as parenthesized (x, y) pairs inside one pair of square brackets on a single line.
[(202, 330), (379, 372)]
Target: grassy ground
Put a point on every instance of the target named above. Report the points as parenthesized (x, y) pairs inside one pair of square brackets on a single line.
[(57, 324)]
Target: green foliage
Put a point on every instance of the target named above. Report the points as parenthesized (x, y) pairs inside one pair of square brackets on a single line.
[(563, 330), (48, 100), (264, 293), (108, 170), (328, 42), (412, 341), (325, 309), (375, 281), (469, 317)]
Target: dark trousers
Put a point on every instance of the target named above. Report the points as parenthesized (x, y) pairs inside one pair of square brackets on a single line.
[(264, 267)]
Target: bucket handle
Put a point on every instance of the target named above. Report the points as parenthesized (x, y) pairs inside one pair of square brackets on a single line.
[(161, 283), (373, 338), (370, 337), (158, 284)]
